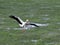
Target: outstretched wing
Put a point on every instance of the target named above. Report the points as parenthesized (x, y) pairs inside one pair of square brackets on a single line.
[(17, 19), (34, 24)]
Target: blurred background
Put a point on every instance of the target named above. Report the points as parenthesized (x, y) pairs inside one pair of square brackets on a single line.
[(40, 11)]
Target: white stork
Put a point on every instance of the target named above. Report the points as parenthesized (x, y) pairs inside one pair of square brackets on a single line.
[(26, 24)]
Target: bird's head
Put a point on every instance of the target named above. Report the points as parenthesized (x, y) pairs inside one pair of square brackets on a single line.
[(27, 20)]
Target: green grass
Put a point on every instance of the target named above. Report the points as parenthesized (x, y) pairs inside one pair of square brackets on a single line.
[(40, 11)]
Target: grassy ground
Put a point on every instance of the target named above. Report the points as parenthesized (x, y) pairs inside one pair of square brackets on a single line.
[(40, 11)]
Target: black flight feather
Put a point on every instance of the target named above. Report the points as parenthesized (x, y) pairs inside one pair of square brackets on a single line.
[(14, 17)]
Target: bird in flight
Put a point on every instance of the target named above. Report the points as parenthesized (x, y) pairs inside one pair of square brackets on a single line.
[(22, 23), (26, 24)]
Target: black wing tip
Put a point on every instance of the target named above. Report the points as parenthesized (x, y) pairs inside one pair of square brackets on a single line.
[(34, 25), (11, 16), (37, 26)]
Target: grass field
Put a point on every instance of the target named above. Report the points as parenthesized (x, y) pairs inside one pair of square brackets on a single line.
[(40, 11)]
